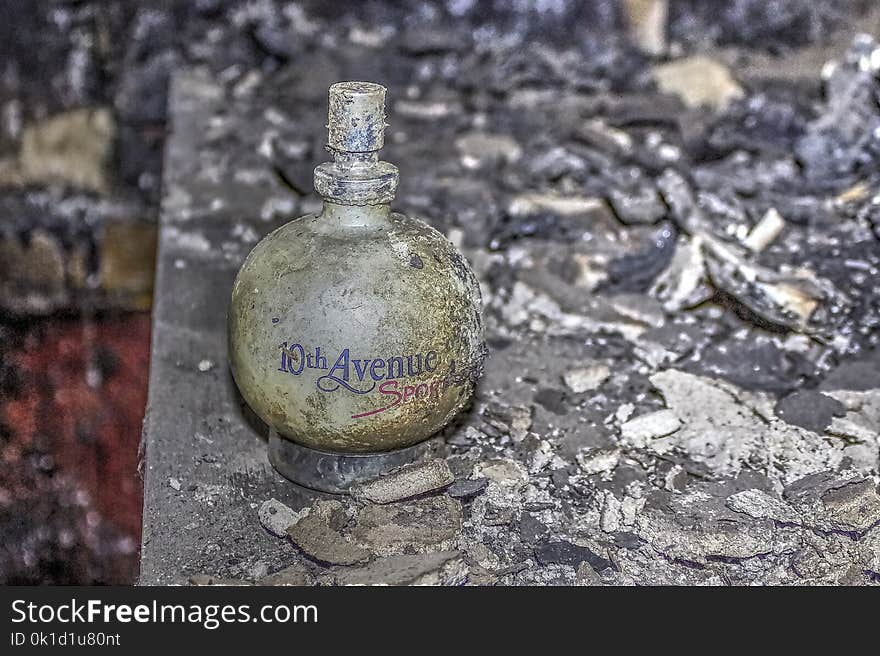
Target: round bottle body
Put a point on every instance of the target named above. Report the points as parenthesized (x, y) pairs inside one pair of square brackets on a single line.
[(356, 331)]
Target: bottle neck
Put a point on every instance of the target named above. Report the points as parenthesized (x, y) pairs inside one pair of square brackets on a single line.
[(356, 216)]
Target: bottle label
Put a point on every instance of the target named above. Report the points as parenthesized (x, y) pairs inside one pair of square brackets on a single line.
[(386, 377)]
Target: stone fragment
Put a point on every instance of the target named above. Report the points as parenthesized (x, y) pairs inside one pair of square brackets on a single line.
[(515, 420), (419, 526), (830, 502), (624, 412), (585, 379), (467, 488), (640, 207), (503, 471), (406, 482), (277, 517), (615, 514), (587, 576), (319, 536), (761, 505), (699, 81), (443, 568), (724, 428), (292, 575), (853, 506), (639, 430), (809, 409), (531, 529), (566, 553), (692, 531), (552, 399), (860, 426), (598, 461)]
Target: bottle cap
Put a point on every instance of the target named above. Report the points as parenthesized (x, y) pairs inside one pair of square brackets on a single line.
[(356, 129), (357, 117)]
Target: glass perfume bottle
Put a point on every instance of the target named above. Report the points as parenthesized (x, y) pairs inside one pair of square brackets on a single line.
[(357, 330)]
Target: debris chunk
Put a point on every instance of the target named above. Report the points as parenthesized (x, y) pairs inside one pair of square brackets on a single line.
[(515, 420), (467, 488), (598, 461), (724, 428), (444, 568), (277, 517), (419, 526), (682, 284), (765, 231), (566, 553), (761, 505), (639, 430), (831, 502), (840, 143), (699, 81), (624, 412), (504, 471), (293, 575), (406, 482), (646, 23), (585, 379), (853, 506), (640, 207), (810, 409), (319, 536), (796, 299), (534, 203)]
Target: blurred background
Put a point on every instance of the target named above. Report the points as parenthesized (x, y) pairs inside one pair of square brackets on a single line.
[(83, 109)]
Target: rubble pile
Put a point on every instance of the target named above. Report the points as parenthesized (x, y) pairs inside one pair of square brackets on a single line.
[(680, 290)]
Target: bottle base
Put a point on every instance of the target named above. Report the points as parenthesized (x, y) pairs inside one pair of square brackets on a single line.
[(337, 472)]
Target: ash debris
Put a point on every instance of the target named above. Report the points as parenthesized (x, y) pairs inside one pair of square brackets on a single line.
[(678, 255), (682, 384)]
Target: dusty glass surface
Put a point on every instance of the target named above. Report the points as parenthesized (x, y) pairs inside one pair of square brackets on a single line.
[(357, 329)]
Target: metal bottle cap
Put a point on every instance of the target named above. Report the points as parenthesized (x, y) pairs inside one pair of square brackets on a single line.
[(357, 117), (356, 132)]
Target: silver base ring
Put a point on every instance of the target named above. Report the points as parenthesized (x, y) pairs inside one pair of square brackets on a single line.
[(337, 472)]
